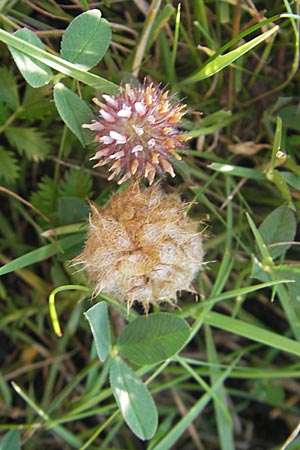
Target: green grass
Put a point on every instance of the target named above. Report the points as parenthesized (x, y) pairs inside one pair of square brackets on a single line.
[(234, 383)]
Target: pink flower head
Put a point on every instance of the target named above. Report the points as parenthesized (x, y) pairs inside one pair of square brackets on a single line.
[(137, 132)]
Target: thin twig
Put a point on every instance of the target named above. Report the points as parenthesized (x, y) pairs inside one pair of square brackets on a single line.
[(25, 202)]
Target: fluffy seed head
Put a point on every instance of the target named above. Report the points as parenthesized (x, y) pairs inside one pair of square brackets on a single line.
[(137, 132), (142, 246)]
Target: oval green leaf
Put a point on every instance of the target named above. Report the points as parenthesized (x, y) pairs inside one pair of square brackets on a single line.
[(72, 210), (292, 179), (277, 228), (36, 73), (86, 39), (291, 272), (73, 111), (11, 441), (153, 338), (134, 400), (98, 319)]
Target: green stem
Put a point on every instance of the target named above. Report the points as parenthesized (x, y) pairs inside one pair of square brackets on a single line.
[(52, 309), (10, 119), (60, 153), (98, 431)]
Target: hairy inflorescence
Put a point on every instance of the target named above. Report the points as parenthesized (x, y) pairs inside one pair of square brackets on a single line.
[(137, 132), (142, 246)]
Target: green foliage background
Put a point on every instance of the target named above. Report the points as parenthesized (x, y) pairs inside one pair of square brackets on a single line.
[(234, 383)]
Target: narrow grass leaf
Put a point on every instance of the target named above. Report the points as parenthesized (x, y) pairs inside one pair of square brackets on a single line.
[(222, 61), (35, 72), (5, 389), (176, 35), (211, 124), (11, 441), (162, 18), (153, 338), (98, 319), (73, 110), (288, 297), (180, 428), (134, 400), (224, 420), (40, 254), (86, 39), (237, 171), (253, 332), (277, 228), (64, 433), (260, 242)]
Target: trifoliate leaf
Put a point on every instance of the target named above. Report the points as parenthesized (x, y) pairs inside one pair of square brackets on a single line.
[(29, 142), (9, 168)]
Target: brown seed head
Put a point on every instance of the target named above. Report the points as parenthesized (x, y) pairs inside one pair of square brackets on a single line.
[(137, 132), (142, 246)]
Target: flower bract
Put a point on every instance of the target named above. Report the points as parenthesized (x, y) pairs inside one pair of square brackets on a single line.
[(142, 246)]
